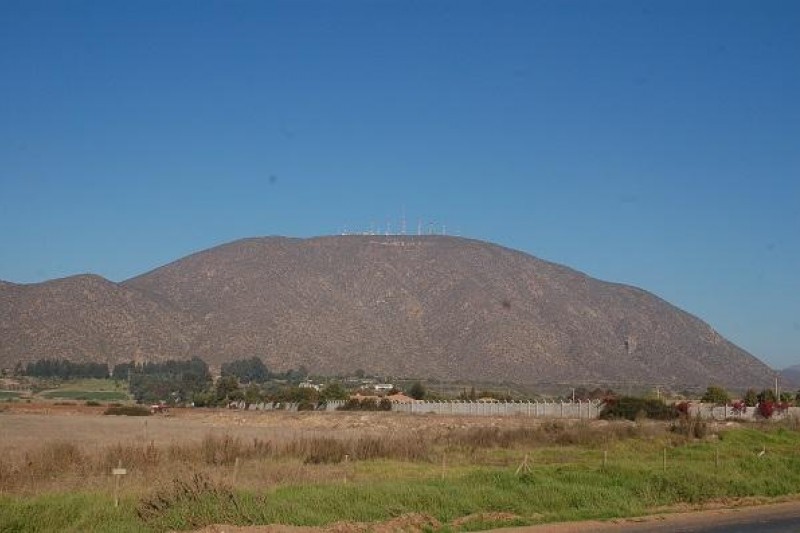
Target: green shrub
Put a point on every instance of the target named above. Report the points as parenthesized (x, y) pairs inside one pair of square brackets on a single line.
[(366, 404), (631, 408), (127, 410), (305, 405), (716, 395)]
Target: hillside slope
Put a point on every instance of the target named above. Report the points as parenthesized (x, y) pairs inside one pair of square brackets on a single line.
[(427, 306), (87, 318), (437, 306)]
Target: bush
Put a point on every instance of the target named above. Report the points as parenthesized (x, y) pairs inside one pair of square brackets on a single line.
[(750, 398), (417, 391), (739, 408), (197, 494), (631, 408), (766, 409), (716, 395), (683, 408), (127, 410), (366, 404), (691, 426), (305, 405)]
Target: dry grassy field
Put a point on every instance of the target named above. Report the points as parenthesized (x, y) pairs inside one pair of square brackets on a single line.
[(190, 468), (45, 446), (28, 425)]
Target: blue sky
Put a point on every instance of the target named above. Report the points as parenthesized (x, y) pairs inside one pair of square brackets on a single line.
[(649, 143)]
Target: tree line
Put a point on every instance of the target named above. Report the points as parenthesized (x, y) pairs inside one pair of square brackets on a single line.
[(63, 369)]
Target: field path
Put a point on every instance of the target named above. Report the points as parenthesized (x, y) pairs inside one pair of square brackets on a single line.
[(765, 518), (784, 516)]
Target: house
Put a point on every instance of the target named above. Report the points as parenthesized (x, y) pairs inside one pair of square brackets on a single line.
[(308, 385), (400, 398)]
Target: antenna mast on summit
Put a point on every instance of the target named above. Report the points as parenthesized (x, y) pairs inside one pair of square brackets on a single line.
[(403, 221)]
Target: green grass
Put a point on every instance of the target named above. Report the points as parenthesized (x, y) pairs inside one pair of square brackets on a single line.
[(68, 513), (100, 396), (91, 384), (564, 483), (548, 493), (7, 395), (101, 390)]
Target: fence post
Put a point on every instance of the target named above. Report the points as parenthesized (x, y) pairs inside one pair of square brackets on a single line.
[(117, 472), (235, 471)]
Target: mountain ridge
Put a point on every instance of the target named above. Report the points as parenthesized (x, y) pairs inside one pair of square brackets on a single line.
[(422, 306)]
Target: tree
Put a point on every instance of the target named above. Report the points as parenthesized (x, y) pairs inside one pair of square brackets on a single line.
[(252, 394), (767, 395), (751, 398), (333, 391), (417, 391), (247, 370), (472, 395), (227, 389), (716, 395)]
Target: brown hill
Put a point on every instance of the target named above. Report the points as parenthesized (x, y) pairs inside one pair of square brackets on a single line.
[(404, 306), (87, 318)]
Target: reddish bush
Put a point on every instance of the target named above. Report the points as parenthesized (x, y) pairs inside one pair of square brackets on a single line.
[(683, 408), (739, 408), (766, 409)]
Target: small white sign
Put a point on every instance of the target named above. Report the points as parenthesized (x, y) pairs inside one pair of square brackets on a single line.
[(119, 471)]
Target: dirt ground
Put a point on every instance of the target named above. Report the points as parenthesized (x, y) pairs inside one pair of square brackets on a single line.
[(727, 514), (24, 426)]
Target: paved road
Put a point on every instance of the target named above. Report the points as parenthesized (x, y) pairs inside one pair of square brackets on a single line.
[(775, 518)]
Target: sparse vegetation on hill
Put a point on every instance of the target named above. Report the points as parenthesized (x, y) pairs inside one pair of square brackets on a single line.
[(442, 307)]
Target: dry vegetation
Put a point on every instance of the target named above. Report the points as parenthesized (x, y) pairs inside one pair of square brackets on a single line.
[(54, 447), (444, 307), (351, 472)]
